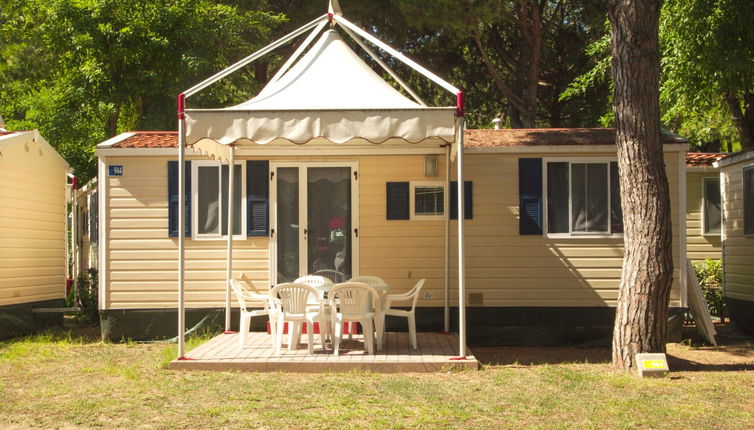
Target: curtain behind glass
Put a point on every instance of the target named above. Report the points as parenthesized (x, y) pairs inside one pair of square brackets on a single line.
[(557, 197), (616, 212), (207, 204), (589, 201), (429, 200)]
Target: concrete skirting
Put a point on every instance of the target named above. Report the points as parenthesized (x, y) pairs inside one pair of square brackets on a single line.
[(20, 320)]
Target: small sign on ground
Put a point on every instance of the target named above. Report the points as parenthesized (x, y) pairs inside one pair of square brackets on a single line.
[(652, 365)]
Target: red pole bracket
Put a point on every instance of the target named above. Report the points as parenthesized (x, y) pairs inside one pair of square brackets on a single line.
[(181, 106), (457, 358), (230, 332), (459, 104), (185, 359)]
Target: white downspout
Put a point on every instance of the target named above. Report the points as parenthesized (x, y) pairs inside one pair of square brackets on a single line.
[(229, 256)]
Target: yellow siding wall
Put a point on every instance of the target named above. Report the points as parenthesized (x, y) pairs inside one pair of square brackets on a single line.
[(698, 246), (32, 231), (514, 270), (738, 250), (510, 270)]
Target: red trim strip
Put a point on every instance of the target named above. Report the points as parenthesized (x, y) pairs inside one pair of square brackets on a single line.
[(185, 359), (181, 106), (457, 358), (230, 332)]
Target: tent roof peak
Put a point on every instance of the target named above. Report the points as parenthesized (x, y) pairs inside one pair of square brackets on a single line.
[(334, 7)]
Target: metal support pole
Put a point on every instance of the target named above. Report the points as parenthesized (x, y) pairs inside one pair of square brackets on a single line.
[(181, 227), (447, 241), (461, 263), (229, 270), (75, 242)]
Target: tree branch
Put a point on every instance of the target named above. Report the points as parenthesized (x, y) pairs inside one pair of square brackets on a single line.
[(515, 100), (743, 126)]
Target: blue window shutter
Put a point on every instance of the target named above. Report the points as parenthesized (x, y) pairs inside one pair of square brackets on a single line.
[(173, 198), (468, 200), (530, 196), (257, 197), (397, 200)]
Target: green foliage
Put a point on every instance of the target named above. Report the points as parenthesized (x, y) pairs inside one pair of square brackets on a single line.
[(83, 71), (708, 53), (87, 289), (710, 276)]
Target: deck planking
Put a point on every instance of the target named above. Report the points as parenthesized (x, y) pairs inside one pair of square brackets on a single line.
[(223, 353)]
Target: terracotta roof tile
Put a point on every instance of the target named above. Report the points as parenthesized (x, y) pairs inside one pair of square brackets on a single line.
[(475, 138), (704, 158), (149, 139), (550, 136)]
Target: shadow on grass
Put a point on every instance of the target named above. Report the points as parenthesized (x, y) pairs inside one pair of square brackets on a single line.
[(535, 355), (684, 365)]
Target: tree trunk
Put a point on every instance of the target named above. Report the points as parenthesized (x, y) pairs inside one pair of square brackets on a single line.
[(742, 118), (641, 314), (111, 129)]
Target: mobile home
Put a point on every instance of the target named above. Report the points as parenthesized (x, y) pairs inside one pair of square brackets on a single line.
[(703, 206), (737, 180), (33, 231), (543, 228)]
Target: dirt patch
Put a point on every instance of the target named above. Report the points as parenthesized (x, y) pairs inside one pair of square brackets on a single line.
[(735, 352)]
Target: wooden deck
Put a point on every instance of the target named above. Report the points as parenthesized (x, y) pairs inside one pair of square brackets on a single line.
[(433, 354)]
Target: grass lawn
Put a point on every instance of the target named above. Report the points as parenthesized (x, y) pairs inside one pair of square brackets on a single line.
[(64, 381)]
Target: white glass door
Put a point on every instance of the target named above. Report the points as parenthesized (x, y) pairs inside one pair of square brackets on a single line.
[(313, 221)]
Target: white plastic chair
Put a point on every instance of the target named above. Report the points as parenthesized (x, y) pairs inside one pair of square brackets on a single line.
[(353, 302), (246, 293), (320, 283), (289, 302), (412, 294), (375, 282)]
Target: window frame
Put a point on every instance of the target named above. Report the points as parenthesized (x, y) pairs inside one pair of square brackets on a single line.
[(704, 206), (412, 200), (195, 164), (545, 194), (744, 171)]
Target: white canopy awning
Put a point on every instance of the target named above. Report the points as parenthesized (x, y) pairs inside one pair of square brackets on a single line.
[(330, 93)]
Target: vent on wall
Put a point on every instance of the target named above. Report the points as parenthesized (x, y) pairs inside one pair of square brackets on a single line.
[(476, 299)]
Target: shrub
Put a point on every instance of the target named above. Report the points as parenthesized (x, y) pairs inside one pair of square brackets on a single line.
[(710, 276), (87, 289)]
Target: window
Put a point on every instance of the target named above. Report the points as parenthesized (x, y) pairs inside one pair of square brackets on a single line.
[(427, 200), (583, 198), (210, 192), (711, 210), (749, 201)]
